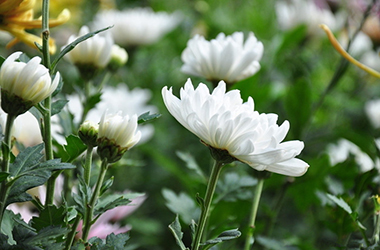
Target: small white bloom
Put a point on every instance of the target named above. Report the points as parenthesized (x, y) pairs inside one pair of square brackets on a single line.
[(343, 149), (227, 58), (138, 26), (118, 55), (122, 129), (95, 50), (223, 121), (372, 109), (29, 81), (297, 12)]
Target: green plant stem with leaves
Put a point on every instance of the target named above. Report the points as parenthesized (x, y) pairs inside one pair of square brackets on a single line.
[(255, 206), (6, 151), (90, 206), (215, 173), (47, 104)]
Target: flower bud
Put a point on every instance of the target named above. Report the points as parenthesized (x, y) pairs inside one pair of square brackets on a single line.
[(88, 133), (119, 57), (117, 134)]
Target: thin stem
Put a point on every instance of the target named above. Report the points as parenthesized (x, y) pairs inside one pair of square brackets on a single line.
[(90, 206), (215, 172), (6, 150), (255, 206), (87, 165), (71, 235)]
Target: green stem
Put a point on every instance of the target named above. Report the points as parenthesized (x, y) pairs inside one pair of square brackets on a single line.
[(87, 165), (376, 232), (90, 206), (6, 150), (255, 205), (71, 235), (215, 172)]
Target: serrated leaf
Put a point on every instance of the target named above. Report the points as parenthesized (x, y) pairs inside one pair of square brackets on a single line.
[(49, 216), (57, 106), (83, 197), (48, 238), (147, 117), (73, 149), (226, 235), (175, 228), (10, 220), (72, 45), (106, 185), (341, 203), (182, 205), (234, 187), (109, 202), (28, 172), (191, 163), (118, 241)]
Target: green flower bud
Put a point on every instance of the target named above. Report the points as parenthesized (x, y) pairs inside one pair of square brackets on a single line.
[(119, 57), (88, 133)]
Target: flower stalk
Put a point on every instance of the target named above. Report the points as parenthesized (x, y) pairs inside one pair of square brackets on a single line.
[(215, 173), (255, 206), (94, 198), (6, 151), (87, 164)]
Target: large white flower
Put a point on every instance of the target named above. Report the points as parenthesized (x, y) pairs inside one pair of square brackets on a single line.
[(138, 26), (93, 51), (31, 82), (226, 58), (223, 121)]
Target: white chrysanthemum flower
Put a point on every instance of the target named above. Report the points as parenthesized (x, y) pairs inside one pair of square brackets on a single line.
[(222, 121), (340, 152), (298, 12), (24, 84), (94, 51), (227, 58), (116, 135), (372, 109), (138, 26)]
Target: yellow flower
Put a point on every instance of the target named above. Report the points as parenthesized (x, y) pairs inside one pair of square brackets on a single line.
[(17, 15)]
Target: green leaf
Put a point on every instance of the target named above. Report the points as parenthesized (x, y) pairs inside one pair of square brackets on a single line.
[(112, 242), (28, 172), (182, 205), (107, 202), (72, 45), (10, 220), (226, 235), (340, 202), (106, 185), (83, 197), (73, 149), (50, 216), (2, 59), (147, 117), (191, 164), (57, 106), (175, 228), (234, 187), (91, 102), (271, 243)]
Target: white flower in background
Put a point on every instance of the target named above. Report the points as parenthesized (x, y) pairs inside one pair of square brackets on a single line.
[(340, 152), (222, 121), (297, 12), (119, 57), (116, 135), (138, 26), (26, 130), (95, 51), (372, 110), (24, 84), (227, 58)]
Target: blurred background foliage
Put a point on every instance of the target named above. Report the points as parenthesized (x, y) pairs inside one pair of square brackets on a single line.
[(296, 69)]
